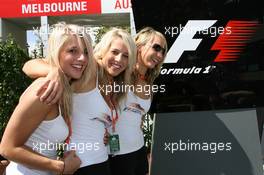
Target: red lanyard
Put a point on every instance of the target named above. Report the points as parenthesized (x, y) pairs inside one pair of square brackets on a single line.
[(114, 117), (113, 108), (68, 121)]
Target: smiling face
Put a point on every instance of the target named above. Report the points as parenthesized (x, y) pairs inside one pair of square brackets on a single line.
[(115, 59), (152, 53), (73, 58)]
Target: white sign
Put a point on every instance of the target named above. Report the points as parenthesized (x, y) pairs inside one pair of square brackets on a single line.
[(116, 6)]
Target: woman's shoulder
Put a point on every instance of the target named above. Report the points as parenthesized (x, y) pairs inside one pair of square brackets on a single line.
[(29, 102), (32, 90)]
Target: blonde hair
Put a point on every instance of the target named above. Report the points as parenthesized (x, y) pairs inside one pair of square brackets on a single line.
[(61, 34), (101, 49), (142, 38)]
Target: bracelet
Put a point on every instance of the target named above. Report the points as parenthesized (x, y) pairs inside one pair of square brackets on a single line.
[(63, 168)]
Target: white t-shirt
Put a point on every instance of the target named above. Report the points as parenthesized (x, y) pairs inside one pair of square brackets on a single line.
[(88, 127), (128, 125), (43, 140)]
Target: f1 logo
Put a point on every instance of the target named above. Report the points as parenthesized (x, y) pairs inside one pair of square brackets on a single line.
[(229, 45), (185, 41)]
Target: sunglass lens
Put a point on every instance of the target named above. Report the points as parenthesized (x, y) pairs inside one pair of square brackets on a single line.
[(158, 48)]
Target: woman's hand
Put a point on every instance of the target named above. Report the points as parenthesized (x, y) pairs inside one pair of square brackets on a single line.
[(52, 88), (71, 162), (3, 164)]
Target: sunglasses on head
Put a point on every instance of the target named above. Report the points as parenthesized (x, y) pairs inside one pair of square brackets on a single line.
[(158, 48)]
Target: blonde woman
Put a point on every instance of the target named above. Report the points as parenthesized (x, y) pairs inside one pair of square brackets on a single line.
[(114, 68), (96, 102), (132, 157), (35, 129)]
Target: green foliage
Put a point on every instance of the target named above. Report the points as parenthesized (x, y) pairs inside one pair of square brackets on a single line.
[(60, 150), (99, 33), (147, 129), (12, 80)]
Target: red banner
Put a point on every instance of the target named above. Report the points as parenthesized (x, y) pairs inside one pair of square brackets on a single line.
[(30, 8)]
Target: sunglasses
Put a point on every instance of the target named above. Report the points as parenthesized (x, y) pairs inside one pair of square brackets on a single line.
[(158, 48)]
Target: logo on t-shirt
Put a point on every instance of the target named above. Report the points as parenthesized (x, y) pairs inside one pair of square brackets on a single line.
[(135, 107), (106, 119)]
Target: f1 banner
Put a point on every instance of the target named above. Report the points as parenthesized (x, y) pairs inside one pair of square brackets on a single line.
[(214, 79)]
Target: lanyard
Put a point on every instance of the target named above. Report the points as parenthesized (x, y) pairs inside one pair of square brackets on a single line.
[(68, 121), (114, 118), (113, 108)]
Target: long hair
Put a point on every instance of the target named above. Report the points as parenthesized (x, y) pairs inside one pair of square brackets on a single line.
[(100, 51), (142, 38), (61, 35)]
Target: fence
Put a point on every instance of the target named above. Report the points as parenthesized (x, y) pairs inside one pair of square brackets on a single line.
[(36, 52)]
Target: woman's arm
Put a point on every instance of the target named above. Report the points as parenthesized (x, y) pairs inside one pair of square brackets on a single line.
[(27, 116), (36, 68), (51, 90)]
